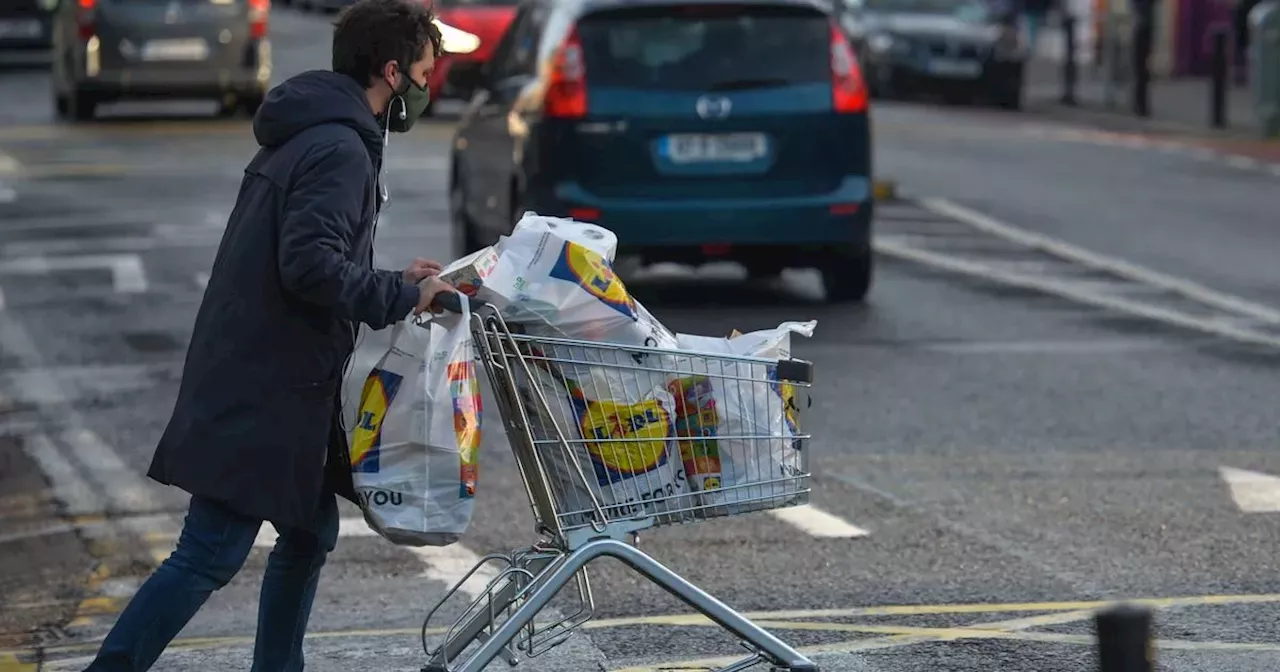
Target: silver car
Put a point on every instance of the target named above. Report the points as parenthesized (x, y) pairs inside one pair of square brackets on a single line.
[(108, 50)]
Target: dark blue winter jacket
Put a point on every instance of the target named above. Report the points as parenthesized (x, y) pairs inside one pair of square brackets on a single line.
[(256, 425)]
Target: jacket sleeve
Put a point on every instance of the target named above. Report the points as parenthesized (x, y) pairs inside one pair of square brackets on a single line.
[(322, 213)]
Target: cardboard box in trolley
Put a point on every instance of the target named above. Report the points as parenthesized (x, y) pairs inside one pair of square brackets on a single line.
[(468, 274)]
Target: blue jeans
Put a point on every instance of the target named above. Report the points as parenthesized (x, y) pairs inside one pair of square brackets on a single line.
[(213, 546)]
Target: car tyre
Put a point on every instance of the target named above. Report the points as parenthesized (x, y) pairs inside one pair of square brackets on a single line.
[(81, 106), (763, 270), (61, 106), (847, 274), (465, 238), (251, 103), (1009, 98)]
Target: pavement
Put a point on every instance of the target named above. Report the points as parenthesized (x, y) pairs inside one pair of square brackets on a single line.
[(996, 458), (1180, 106)]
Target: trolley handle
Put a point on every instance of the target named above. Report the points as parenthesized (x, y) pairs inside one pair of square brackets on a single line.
[(451, 302)]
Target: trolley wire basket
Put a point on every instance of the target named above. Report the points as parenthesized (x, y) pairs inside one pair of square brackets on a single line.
[(611, 440)]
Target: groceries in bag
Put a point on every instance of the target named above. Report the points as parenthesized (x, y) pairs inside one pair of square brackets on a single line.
[(736, 422), (417, 434)]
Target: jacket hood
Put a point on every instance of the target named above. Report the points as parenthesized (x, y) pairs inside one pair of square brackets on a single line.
[(313, 98)]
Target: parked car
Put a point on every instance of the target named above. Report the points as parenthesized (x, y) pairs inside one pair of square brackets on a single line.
[(107, 50), (964, 50), (471, 29), (26, 24), (696, 131)]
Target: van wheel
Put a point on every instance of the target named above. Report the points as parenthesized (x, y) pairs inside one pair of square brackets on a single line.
[(847, 274), (465, 238)]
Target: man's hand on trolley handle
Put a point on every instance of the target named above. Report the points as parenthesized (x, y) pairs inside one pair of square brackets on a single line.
[(428, 289)]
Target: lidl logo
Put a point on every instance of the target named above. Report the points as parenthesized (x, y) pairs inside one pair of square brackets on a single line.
[(379, 390), (630, 439), (592, 272), (790, 409), (465, 392)]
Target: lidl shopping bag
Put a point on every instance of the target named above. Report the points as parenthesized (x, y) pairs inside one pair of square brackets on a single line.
[(737, 424), (555, 278), (417, 434), (620, 454)]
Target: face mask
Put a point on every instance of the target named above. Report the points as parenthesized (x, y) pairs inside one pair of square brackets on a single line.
[(407, 106)]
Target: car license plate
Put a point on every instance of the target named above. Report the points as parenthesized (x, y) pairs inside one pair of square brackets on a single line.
[(175, 50), (947, 67), (19, 29), (728, 147)]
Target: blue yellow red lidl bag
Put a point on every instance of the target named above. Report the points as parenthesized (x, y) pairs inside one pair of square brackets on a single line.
[(415, 442), (619, 453)]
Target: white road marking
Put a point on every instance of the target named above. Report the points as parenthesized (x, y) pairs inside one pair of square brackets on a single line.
[(1252, 491), (1243, 162), (69, 487), (446, 564), (2, 302), (347, 527), (127, 272), (818, 523), (9, 165), (125, 490), (124, 487), (1100, 262)]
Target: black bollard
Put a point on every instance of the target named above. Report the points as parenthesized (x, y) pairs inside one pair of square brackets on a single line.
[(1218, 79), (1069, 60), (1143, 38), (1124, 639)]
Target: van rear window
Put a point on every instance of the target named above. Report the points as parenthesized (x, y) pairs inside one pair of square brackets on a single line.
[(706, 47)]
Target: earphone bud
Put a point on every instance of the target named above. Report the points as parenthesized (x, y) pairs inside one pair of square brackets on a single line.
[(403, 114)]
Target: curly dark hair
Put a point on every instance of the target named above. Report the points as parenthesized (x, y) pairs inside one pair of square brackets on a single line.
[(369, 33)]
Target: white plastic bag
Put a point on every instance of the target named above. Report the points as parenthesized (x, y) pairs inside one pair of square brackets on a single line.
[(417, 434), (624, 452), (745, 403)]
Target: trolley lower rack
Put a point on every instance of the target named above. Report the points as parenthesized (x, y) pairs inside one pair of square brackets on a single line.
[(578, 457)]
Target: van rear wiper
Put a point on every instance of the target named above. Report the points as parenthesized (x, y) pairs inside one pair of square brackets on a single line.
[(748, 83)]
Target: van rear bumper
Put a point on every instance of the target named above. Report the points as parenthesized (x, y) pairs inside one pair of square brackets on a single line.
[(840, 217)]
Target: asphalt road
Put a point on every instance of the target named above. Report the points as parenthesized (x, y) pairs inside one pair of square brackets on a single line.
[(1004, 458)]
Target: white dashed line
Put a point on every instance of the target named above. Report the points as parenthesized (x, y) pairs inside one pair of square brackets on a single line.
[(1252, 491), (1243, 162), (818, 523), (9, 165)]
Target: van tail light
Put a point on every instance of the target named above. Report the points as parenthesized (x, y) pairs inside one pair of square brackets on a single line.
[(259, 11), (848, 90), (86, 19), (566, 96)]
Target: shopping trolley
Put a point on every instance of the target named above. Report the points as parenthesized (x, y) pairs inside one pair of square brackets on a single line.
[(598, 472)]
